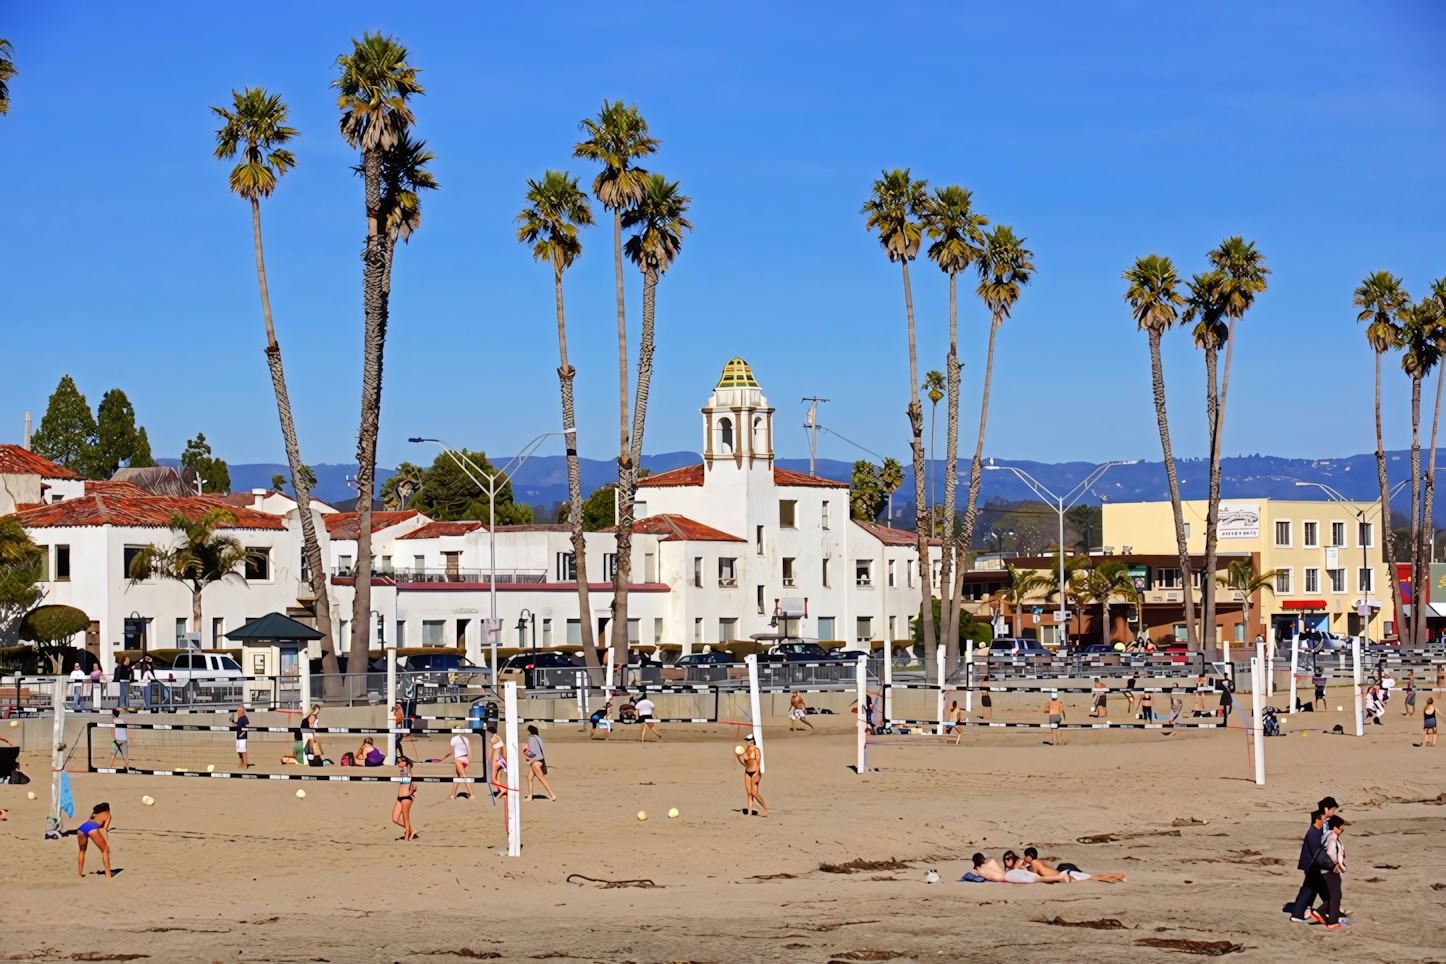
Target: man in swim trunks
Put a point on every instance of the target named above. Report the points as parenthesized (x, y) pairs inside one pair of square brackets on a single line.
[(796, 713), (1055, 709), (1032, 863), (242, 722), (1015, 873), (751, 759)]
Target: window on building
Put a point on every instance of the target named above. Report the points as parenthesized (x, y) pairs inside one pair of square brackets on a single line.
[(1365, 579), (566, 567), (1338, 579), (1168, 579), (650, 567), (1187, 530), (727, 630), (863, 572), (610, 565), (893, 574), (129, 553), (1364, 534), (180, 631), (788, 513), (419, 565), (725, 435), (825, 627), (1282, 533), (547, 632), (433, 631), (909, 569), (62, 563), (936, 572), (258, 563), (761, 610), (1310, 534), (727, 573), (1197, 578), (788, 572), (635, 630), (758, 540), (974, 591), (863, 629), (825, 574), (574, 632), (893, 627), (1338, 534), (823, 516), (305, 567), (401, 637), (698, 631), (657, 630), (386, 564), (452, 562), (343, 565), (1282, 581), (1312, 580), (45, 564), (698, 571), (218, 625)]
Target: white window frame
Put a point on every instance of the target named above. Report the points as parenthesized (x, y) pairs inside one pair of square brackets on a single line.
[(1311, 583), (824, 515), (1337, 577), (1284, 579), (1310, 534), (1365, 579), (893, 573), (789, 569), (1289, 534), (864, 573), (1369, 530), (1344, 541), (792, 514)]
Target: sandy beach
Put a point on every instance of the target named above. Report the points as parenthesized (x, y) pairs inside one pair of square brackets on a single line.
[(226, 870)]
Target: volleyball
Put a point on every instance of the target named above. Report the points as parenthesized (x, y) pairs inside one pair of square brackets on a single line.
[(673, 813), (14, 722), (1340, 709), (738, 750), (30, 795), (301, 793), (210, 768), (148, 801), (642, 814)]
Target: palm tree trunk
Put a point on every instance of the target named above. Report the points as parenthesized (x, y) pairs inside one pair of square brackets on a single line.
[(310, 545), (971, 508), (1429, 514), (1388, 533), (565, 375), (1212, 511), (921, 529), (951, 581), (374, 303), (618, 631), (1416, 597), (196, 609), (1157, 371), (1212, 532), (628, 480)]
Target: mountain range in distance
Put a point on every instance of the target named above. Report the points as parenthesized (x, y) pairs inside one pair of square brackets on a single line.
[(542, 479)]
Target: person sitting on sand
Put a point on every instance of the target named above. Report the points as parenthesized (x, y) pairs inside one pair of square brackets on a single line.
[(367, 755), (1015, 873), (989, 869), (1032, 863), (1200, 696), (598, 722)]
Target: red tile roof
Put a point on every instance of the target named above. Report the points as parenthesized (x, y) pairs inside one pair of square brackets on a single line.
[(246, 499), (151, 511), (790, 477), (15, 460), (688, 475), (119, 490), (344, 525), (892, 537), (434, 529), (676, 528)]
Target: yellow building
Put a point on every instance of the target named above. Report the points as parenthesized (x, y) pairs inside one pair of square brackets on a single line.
[(1326, 556)]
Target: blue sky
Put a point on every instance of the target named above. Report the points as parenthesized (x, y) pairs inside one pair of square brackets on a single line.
[(1101, 132)]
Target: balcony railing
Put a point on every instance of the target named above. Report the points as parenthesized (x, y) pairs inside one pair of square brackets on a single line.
[(727, 582), (478, 576), (788, 582)]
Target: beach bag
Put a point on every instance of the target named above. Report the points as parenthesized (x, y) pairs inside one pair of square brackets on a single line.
[(18, 779), (348, 760)]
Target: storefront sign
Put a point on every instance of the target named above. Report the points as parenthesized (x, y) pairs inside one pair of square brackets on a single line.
[(1239, 520)]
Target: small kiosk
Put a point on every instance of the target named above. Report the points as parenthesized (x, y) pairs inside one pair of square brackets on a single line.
[(272, 648)]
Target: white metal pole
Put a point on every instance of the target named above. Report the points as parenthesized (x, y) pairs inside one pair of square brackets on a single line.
[(1294, 666), (969, 675), (939, 655), (888, 676), (304, 680), (392, 736), (1225, 653), (1356, 685), (608, 676), (492, 571), (57, 749), (861, 684), (1269, 665), (1257, 693), (514, 773), (1063, 646), (580, 679), (755, 706)]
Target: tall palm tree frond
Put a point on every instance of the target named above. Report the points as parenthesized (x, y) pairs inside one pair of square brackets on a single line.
[(375, 85), (256, 128), (1383, 303), (1419, 336), (404, 174), (7, 71), (658, 215), (1004, 268), (893, 207), (617, 138), (1205, 305), (958, 231), (1152, 292), (556, 208)]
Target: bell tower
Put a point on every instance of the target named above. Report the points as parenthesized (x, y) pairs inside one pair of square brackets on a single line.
[(737, 422)]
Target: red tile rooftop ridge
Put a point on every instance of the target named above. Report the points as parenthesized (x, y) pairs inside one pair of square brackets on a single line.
[(790, 477), (15, 460), (346, 525), (151, 511), (675, 528), (687, 475), (433, 530)]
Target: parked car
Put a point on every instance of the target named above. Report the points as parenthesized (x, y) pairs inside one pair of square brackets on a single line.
[(793, 652), (700, 659), (704, 668), (1015, 646), (542, 667), (203, 671), (1097, 649)]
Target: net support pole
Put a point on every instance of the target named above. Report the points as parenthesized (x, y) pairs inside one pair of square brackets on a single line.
[(583, 689), (57, 749), (1356, 685), (939, 654), (608, 677), (969, 676), (755, 707), (1294, 667), (514, 772), (888, 677), (1225, 658), (861, 684), (1269, 667), (304, 679), (392, 736), (1257, 699)]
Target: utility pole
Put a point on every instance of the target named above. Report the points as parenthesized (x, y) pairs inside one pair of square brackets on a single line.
[(811, 426)]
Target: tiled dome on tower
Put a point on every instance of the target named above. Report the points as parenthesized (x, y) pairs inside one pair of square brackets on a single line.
[(738, 424)]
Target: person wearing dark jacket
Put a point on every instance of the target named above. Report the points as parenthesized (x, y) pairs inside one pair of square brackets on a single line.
[(1314, 884), (122, 679)]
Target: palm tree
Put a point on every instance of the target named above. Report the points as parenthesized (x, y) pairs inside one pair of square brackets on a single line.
[(375, 84), (616, 139), (1099, 585), (1022, 584), (893, 207), (1244, 269), (198, 558), (1004, 269), (1205, 305), (7, 71), (934, 387), (1384, 303), (1420, 354), (1153, 301), (658, 220), (1438, 295), (958, 242), (20, 572), (404, 174), (891, 476), (1240, 576), (556, 209), (256, 128)]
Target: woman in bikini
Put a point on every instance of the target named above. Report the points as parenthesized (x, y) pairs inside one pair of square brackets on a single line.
[(751, 759), (95, 829), (499, 777), (1101, 695), (1410, 709), (406, 794)]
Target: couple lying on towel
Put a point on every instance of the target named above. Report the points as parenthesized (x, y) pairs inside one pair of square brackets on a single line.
[(1029, 869)]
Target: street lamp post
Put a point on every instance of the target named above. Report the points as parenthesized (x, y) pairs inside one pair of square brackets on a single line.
[(522, 623), (491, 487), (1072, 497)]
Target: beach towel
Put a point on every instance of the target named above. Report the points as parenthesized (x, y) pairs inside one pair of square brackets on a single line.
[(67, 802), (972, 878)]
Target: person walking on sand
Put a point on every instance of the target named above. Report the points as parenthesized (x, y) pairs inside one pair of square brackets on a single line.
[(536, 756), (1101, 694), (645, 717), (1199, 696), (1428, 720), (751, 759), (498, 777), (461, 754), (1318, 680), (1313, 885), (797, 713), (1147, 706), (406, 796), (1055, 709), (120, 743), (242, 723), (1336, 850), (1410, 699), (96, 831), (955, 718)]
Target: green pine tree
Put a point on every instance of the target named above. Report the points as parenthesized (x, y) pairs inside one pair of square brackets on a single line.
[(67, 431), (115, 437), (215, 476), (141, 453)]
